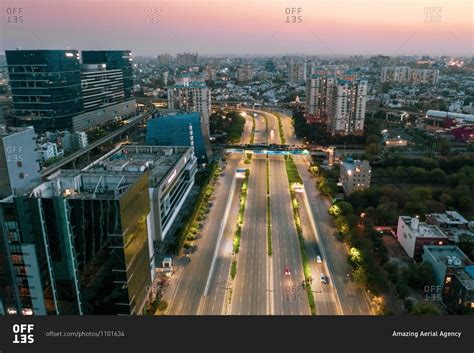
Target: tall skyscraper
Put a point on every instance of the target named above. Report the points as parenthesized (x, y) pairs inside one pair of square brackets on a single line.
[(299, 71), (319, 94), (46, 87), (348, 113), (337, 101), (113, 59)]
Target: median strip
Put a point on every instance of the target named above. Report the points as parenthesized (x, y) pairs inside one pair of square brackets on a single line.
[(269, 215), (280, 129), (294, 178)]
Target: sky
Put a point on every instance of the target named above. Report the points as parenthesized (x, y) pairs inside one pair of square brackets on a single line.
[(253, 27)]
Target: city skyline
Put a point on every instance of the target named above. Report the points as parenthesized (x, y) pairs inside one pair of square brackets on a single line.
[(229, 27)]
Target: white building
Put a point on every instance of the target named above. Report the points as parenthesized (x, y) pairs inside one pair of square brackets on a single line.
[(319, 93), (348, 112), (413, 235), (190, 94), (398, 74), (354, 175), (47, 151)]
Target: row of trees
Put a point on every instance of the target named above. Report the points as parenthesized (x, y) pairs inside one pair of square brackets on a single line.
[(232, 124)]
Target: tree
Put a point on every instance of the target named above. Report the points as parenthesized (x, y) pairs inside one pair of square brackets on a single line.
[(419, 275), (425, 308)]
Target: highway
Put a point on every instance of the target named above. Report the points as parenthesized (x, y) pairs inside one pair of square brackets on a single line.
[(348, 297), (249, 295), (289, 295), (187, 298), (250, 287)]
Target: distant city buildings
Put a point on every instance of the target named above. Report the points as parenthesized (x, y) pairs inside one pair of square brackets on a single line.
[(48, 151), (187, 59), (413, 235), (19, 167), (244, 73), (164, 59), (181, 130), (338, 100), (298, 72), (405, 74), (354, 175), (53, 91)]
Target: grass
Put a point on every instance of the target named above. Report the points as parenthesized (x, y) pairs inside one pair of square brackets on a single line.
[(240, 217), (280, 129), (252, 133), (200, 208), (293, 176), (233, 269), (269, 215), (292, 171)]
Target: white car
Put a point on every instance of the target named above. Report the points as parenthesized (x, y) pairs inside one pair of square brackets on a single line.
[(323, 279), (318, 259)]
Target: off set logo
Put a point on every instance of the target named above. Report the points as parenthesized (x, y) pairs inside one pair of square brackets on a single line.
[(23, 333)]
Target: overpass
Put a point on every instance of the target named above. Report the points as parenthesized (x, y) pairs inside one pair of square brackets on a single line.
[(130, 123)]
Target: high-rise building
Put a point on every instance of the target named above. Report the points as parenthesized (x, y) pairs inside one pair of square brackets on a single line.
[(190, 94), (180, 130), (319, 94), (164, 59), (100, 86), (77, 245), (113, 60), (46, 87), (424, 76), (299, 71), (19, 167), (354, 175), (187, 59), (347, 115)]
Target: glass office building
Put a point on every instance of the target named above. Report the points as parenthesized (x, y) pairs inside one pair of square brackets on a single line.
[(77, 245), (46, 87), (113, 59), (180, 130)]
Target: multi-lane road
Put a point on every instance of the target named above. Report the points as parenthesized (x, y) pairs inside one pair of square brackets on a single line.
[(266, 284)]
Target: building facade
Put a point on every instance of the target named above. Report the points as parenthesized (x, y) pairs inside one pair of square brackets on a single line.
[(413, 235), (354, 175), (77, 245), (46, 87), (19, 167), (454, 273), (181, 130)]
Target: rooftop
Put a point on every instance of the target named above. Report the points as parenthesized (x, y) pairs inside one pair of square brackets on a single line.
[(422, 229), (78, 184), (157, 160), (449, 218), (449, 255)]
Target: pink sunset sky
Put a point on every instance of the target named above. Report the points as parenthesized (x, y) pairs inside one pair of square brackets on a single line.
[(243, 27)]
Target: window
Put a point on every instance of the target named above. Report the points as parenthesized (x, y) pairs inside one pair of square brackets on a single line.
[(19, 164), (21, 175)]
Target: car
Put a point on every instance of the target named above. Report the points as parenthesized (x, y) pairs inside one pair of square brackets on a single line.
[(323, 279), (318, 259), (287, 272)]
